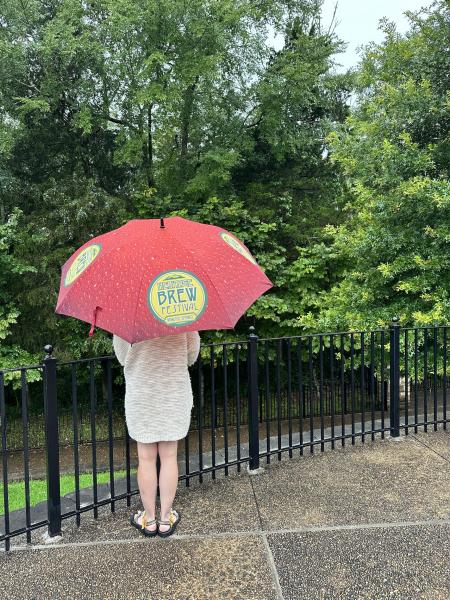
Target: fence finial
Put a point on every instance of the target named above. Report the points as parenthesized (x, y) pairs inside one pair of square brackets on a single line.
[(395, 321), (48, 349)]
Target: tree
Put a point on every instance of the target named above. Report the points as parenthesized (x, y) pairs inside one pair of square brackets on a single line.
[(116, 109), (287, 177), (394, 151), (11, 270)]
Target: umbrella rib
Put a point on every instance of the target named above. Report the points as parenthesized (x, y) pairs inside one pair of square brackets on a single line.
[(137, 301), (212, 285)]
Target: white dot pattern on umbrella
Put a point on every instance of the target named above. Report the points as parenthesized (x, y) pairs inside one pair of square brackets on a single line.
[(132, 257)]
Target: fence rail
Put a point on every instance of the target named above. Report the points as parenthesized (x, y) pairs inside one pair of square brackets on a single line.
[(253, 400)]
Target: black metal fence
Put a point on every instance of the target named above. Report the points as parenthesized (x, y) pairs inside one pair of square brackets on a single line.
[(253, 399)]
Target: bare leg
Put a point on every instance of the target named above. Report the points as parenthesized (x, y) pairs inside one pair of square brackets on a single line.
[(168, 478), (147, 479)]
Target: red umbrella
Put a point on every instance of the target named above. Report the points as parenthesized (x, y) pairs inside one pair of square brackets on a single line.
[(156, 277)]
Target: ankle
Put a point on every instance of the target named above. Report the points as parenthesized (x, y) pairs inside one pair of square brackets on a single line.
[(165, 516), (149, 516)]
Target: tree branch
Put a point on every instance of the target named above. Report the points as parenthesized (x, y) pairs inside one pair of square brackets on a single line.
[(118, 121)]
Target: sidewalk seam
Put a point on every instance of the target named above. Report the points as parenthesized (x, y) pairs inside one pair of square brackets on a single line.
[(270, 559), (273, 567), (247, 533)]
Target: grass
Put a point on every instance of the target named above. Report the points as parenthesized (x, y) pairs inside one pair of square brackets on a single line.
[(38, 488)]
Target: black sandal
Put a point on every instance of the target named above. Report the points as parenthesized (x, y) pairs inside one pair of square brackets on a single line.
[(145, 522), (173, 521)]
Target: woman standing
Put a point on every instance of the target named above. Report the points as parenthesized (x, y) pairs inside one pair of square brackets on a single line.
[(158, 404)]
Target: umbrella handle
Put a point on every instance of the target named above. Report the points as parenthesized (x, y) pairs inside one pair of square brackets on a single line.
[(91, 331)]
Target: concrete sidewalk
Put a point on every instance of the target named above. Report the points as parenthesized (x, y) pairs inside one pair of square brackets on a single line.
[(364, 521)]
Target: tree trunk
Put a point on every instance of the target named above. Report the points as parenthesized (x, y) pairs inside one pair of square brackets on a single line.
[(149, 165), (186, 114)]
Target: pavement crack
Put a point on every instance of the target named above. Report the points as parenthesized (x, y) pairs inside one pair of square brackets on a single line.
[(429, 447), (256, 503)]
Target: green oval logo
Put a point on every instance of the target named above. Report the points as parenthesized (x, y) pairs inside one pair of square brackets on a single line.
[(177, 297), (236, 245), (81, 263)]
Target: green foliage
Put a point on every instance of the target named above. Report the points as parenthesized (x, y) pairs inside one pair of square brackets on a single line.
[(11, 270), (113, 110), (394, 152)]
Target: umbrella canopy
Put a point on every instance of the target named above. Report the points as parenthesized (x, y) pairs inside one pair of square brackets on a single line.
[(156, 277)]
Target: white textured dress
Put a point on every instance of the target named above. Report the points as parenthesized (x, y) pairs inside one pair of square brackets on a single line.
[(158, 391)]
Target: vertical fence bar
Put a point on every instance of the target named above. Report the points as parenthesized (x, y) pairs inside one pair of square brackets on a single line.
[(301, 400), (186, 459), (26, 454), (238, 410), (406, 382), (128, 466), (278, 385), (352, 382), (253, 421), (52, 444), (435, 352), (416, 377), (76, 461), (363, 392), (311, 403), (383, 395), (289, 393), (322, 429), (225, 404), (80, 420), (93, 406), (200, 407), (425, 378), (109, 399), (213, 414), (158, 470), (372, 381), (333, 399), (394, 375), (444, 377), (267, 395), (4, 461), (342, 390)]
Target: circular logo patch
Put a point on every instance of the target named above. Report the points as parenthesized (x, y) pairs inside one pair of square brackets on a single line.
[(81, 263), (234, 243), (177, 298)]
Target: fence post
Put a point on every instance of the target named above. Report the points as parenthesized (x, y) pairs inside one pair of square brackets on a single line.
[(253, 420), (52, 444), (394, 376)]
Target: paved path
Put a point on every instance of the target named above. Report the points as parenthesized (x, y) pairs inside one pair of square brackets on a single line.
[(364, 521)]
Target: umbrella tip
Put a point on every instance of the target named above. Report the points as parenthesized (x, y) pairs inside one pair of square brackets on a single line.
[(161, 223)]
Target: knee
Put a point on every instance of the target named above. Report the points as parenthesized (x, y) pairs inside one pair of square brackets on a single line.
[(168, 451), (147, 453)]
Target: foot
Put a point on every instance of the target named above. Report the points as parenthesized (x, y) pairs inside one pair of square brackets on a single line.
[(169, 524), (140, 515)]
